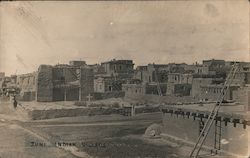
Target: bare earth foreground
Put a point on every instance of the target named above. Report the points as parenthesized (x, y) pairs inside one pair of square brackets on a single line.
[(82, 136)]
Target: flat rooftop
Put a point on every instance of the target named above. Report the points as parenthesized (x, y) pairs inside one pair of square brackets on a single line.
[(229, 110)]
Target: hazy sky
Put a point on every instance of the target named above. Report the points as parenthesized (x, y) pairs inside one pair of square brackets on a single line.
[(34, 33)]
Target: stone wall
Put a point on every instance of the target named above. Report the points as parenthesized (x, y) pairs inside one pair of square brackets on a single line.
[(56, 113)]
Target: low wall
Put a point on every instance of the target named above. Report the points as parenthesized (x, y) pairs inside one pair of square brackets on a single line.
[(160, 99), (100, 96), (55, 113), (234, 139), (146, 110)]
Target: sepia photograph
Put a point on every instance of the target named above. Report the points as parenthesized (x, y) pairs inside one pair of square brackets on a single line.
[(125, 79)]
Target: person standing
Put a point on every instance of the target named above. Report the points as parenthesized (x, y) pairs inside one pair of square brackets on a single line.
[(14, 102)]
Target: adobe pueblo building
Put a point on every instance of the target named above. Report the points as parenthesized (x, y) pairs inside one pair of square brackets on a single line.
[(64, 82)]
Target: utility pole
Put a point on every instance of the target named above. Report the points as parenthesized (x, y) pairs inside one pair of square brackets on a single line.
[(65, 87), (80, 84)]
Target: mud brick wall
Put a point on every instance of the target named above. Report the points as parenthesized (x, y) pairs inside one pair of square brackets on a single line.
[(99, 96), (44, 84), (152, 89), (156, 99), (86, 82), (27, 85), (196, 86), (67, 74), (28, 96), (60, 77)]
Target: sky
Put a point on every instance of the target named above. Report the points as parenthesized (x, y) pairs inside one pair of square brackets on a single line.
[(34, 33)]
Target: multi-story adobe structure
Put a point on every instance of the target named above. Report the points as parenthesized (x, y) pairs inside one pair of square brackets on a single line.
[(216, 66), (152, 73), (64, 82), (107, 84), (179, 84), (159, 72), (208, 87), (176, 77), (119, 68), (109, 76)]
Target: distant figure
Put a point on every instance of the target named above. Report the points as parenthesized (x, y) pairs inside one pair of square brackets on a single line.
[(14, 102)]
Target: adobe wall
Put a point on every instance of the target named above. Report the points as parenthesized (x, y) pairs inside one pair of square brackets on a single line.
[(196, 85), (68, 74), (99, 85), (27, 85), (159, 99), (87, 82), (235, 138), (178, 89), (28, 96), (131, 89), (242, 96), (60, 77), (106, 95), (212, 93), (152, 89), (44, 84)]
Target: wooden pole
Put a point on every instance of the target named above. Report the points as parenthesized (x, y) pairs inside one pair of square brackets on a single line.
[(80, 85)]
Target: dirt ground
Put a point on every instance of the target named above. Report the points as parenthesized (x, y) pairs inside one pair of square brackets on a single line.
[(105, 136), (101, 136)]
